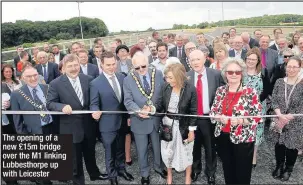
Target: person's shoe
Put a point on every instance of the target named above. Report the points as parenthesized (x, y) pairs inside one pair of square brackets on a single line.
[(287, 173), (145, 180), (211, 180), (278, 172), (127, 176), (194, 177), (163, 173), (113, 181), (100, 177), (129, 163)]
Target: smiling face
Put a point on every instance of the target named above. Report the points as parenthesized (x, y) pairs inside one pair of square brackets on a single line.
[(7, 73), (72, 68), (233, 73), (140, 63), (30, 76), (109, 65), (292, 68), (197, 60), (252, 61)]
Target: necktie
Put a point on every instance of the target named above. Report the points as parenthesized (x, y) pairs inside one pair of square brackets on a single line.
[(263, 59), (115, 87), (78, 91), (46, 117), (146, 85), (180, 54), (45, 75), (199, 89)]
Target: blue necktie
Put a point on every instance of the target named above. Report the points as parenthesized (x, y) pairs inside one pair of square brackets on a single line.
[(45, 73), (46, 117), (146, 85)]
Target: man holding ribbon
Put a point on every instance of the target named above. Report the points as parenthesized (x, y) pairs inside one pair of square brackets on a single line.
[(141, 89), (31, 97)]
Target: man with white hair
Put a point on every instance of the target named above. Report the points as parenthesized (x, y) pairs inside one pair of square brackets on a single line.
[(248, 41), (141, 89), (282, 45)]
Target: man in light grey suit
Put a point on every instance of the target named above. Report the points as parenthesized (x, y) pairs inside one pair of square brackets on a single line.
[(269, 57), (139, 87), (209, 80), (124, 65)]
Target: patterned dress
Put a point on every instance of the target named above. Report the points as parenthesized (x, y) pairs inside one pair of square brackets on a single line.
[(174, 153), (292, 136), (255, 81)]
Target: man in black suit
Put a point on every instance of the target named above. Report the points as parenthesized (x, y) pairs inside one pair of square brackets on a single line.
[(200, 38), (31, 97), (18, 58), (109, 97), (58, 55), (48, 70), (97, 42), (238, 51), (97, 60), (85, 67), (179, 50), (152, 46), (71, 92), (248, 41), (75, 47), (210, 80)]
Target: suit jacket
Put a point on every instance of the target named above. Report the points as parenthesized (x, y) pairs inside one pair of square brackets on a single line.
[(128, 63), (103, 97), (214, 80), (91, 53), (150, 59), (174, 52), (17, 59), (134, 100), (61, 93), (253, 43), (92, 70), (52, 70), (26, 123), (273, 47), (243, 53), (272, 61)]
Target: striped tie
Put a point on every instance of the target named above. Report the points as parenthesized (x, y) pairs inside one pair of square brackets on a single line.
[(78, 91)]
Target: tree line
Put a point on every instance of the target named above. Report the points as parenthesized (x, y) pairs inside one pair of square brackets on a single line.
[(25, 31)]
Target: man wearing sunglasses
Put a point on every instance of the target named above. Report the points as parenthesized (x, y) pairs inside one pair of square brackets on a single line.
[(141, 89)]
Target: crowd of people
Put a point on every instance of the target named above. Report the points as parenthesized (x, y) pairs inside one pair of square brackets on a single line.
[(184, 95)]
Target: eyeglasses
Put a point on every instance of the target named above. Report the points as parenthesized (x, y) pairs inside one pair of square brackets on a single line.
[(234, 72), (31, 76), (293, 67), (288, 56), (191, 49), (251, 59), (142, 67)]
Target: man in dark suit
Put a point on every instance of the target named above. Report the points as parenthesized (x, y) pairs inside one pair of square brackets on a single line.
[(71, 92), (75, 47), (31, 97), (238, 51), (179, 50), (97, 42), (248, 41), (210, 80), (58, 55), (106, 94), (18, 58), (200, 38), (97, 61), (143, 126), (273, 47), (48, 70), (85, 67), (152, 46), (269, 57)]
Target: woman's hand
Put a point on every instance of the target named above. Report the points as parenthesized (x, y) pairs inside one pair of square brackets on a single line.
[(191, 136)]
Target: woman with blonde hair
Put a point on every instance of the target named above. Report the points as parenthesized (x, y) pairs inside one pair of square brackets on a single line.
[(178, 96), (221, 54)]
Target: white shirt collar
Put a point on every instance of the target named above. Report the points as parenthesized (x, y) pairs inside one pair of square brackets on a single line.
[(83, 65), (72, 80), (108, 76), (203, 73)]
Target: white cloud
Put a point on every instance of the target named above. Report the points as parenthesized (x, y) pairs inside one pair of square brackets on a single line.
[(142, 15)]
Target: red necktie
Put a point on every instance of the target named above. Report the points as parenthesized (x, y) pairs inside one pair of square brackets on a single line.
[(199, 89), (263, 59), (180, 55)]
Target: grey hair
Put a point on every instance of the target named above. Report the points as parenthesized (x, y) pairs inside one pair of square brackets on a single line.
[(171, 60), (233, 60), (288, 50)]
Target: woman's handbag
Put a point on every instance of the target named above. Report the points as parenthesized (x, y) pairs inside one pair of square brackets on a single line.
[(166, 132)]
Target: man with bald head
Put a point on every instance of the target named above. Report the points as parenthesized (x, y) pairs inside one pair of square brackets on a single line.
[(248, 41), (238, 51), (206, 81), (141, 89)]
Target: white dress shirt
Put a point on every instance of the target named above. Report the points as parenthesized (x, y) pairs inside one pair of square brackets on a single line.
[(57, 58), (84, 68), (158, 65), (238, 54), (111, 83), (206, 107)]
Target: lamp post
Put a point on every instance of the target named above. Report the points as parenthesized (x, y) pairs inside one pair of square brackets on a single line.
[(222, 17), (80, 18)]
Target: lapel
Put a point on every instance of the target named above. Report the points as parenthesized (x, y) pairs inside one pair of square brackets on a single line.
[(88, 69), (48, 69), (192, 77), (139, 79), (106, 82), (129, 64), (26, 91), (44, 89), (243, 54), (211, 84), (69, 88)]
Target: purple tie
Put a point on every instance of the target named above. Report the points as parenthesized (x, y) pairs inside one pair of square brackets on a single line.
[(263, 58), (180, 55)]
